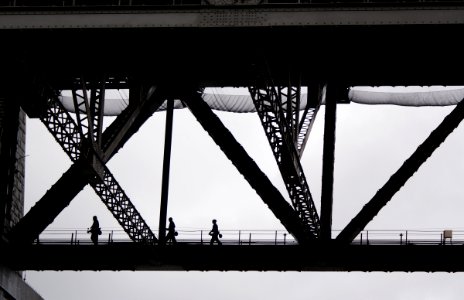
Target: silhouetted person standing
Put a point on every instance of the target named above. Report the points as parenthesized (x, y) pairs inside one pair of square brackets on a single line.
[(214, 233), (171, 236), (94, 230)]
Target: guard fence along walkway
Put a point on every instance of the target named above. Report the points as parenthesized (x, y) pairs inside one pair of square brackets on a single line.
[(66, 236)]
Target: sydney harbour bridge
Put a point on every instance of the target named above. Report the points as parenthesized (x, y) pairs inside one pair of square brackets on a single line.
[(293, 56)]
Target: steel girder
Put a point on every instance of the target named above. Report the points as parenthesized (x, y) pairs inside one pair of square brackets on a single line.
[(166, 171), (89, 110), (406, 171), (270, 109), (315, 96), (67, 133), (246, 166), (89, 116), (317, 257), (291, 98), (299, 128), (50, 205), (328, 160), (143, 103)]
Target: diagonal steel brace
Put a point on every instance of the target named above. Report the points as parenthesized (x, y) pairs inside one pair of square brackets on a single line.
[(247, 167), (399, 178), (268, 106), (75, 179)]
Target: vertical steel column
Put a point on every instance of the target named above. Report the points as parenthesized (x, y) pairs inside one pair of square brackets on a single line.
[(296, 113), (328, 162), (166, 168)]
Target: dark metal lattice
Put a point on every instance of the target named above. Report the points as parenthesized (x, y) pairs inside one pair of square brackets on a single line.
[(269, 107), (63, 128), (290, 99), (314, 98), (305, 128), (90, 110)]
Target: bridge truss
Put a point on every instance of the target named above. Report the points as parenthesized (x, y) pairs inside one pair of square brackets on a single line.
[(278, 109), (89, 147), (159, 74)]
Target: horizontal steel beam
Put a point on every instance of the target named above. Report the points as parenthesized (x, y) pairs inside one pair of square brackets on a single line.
[(209, 17), (185, 257)]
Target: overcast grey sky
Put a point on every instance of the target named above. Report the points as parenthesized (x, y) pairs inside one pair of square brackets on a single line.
[(371, 144)]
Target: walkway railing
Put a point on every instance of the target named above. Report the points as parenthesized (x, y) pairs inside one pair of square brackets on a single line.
[(259, 237), (197, 236), (410, 237)]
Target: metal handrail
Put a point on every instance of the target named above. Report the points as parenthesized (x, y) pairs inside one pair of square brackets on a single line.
[(244, 237)]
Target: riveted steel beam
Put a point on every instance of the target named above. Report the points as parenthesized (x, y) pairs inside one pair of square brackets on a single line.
[(272, 107), (363, 14), (114, 137), (89, 110), (316, 94)]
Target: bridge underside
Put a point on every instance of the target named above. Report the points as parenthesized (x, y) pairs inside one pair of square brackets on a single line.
[(274, 62), (132, 257), (354, 55)]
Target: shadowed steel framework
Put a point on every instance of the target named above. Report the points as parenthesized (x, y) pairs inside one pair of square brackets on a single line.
[(173, 50)]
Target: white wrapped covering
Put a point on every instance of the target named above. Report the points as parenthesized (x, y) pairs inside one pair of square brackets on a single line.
[(406, 96), (435, 97)]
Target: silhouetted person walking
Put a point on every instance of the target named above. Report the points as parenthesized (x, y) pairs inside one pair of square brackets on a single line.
[(94, 230), (171, 236), (214, 233)]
